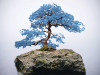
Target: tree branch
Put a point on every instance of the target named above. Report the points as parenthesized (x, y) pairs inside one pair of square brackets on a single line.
[(53, 34), (36, 42), (60, 25), (49, 14)]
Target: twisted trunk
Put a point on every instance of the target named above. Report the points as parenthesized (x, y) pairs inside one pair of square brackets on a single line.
[(49, 34)]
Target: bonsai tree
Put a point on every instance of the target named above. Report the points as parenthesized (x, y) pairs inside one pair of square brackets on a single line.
[(42, 20)]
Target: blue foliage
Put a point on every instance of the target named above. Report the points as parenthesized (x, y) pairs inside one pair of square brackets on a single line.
[(40, 18), (58, 39), (52, 44), (30, 35)]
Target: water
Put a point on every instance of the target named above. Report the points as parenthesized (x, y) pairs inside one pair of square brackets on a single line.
[(7, 65)]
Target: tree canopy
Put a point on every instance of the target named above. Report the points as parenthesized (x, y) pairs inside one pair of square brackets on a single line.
[(44, 18)]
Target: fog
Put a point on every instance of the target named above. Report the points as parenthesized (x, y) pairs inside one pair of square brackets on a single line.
[(14, 16)]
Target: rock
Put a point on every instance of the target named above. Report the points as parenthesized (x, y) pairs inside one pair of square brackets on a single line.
[(63, 60)]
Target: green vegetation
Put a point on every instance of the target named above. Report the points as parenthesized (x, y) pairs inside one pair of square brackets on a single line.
[(44, 61), (71, 52), (46, 48), (32, 51), (41, 65), (82, 68)]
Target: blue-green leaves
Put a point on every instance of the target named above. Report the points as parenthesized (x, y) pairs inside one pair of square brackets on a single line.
[(30, 35), (53, 15)]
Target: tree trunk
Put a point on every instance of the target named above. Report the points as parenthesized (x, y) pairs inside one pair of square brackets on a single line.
[(49, 34)]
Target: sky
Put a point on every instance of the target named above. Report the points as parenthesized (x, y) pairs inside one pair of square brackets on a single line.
[(14, 16)]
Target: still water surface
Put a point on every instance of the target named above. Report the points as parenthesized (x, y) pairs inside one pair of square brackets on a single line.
[(7, 65)]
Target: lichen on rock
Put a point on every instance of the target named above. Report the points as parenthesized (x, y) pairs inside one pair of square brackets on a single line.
[(59, 60)]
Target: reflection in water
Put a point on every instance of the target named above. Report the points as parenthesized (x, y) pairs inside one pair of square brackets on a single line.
[(20, 73)]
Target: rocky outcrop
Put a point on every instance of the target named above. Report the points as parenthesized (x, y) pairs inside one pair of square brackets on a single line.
[(63, 60)]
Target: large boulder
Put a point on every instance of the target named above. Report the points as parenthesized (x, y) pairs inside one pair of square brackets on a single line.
[(63, 60)]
